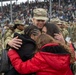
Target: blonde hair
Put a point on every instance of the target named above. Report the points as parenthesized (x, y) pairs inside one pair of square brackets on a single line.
[(45, 39)]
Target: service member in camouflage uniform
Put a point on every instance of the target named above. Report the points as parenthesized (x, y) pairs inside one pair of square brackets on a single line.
[(18, 28), (73, 32), (62, 28), (0, 41)]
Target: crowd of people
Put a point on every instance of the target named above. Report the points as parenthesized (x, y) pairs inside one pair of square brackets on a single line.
[(38, 45), (65, 11)]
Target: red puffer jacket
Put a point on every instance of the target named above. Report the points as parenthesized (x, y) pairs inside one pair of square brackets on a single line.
[(45, 62)]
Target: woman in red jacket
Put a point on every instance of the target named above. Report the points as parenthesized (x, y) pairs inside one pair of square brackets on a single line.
[(53, 58)]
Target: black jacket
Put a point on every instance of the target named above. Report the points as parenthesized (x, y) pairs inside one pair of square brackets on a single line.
[(26, 51), (28, 47)]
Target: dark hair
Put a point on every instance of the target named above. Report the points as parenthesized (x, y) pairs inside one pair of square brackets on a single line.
[(31, 30), (51, 29), (15, 26)]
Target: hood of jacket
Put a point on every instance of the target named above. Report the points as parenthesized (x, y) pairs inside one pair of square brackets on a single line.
[(55, 56)]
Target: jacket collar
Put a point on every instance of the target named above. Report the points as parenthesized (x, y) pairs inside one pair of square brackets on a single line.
[(49, 44)]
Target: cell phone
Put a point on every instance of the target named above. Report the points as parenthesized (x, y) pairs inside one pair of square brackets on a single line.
[(68, 39)]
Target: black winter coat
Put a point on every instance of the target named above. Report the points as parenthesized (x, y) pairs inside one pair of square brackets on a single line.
[(26, 51)]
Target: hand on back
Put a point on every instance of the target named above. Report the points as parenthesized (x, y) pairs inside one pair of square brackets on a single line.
[(15, 43)]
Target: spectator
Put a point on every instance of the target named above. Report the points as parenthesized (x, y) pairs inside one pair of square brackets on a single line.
[(49, 51), (28, 46), (18, 28), (39, 17), (53, 30)]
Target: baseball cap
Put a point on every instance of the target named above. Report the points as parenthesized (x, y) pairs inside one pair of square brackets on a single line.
[(59, 22), (11, 24), (19, 22), (55, 20), (40, 14)]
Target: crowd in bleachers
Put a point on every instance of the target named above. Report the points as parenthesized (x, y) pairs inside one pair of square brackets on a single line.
[(65, 11)]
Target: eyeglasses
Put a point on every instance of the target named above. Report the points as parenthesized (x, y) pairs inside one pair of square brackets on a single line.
[(41, 20)]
